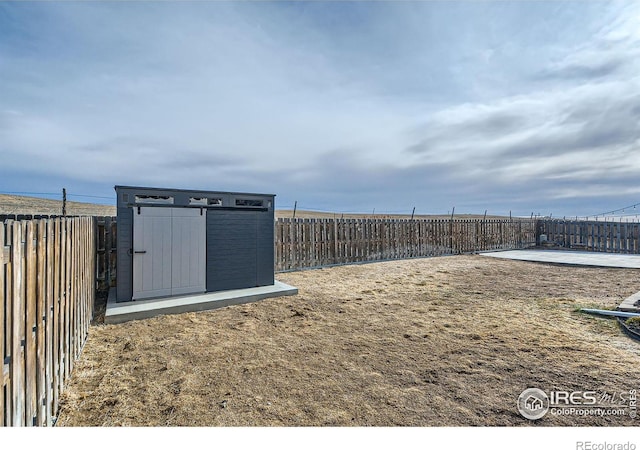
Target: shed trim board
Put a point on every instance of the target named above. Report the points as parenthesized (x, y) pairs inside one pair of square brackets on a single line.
[(178, 242)]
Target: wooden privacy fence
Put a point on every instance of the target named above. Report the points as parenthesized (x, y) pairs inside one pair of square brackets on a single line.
[(611, 237), (47, 289), (302, 243)]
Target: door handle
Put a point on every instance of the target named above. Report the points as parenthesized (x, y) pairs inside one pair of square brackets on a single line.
[(140, 251)]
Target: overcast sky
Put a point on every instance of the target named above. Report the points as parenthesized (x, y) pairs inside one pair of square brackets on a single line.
[(522, 106)]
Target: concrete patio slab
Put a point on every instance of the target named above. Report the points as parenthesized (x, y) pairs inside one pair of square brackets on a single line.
[(575, 258), (144, 309)]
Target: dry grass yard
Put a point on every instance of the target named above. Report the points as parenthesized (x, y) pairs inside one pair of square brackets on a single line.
[(425, 342)]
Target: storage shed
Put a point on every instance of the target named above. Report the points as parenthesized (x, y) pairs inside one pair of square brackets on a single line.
[(174, 242)]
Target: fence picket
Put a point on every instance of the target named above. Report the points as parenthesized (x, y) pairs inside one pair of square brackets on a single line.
[(41, 275), (8, 325), (67, 305), (49, 357), (17, 335), (3, 296), (30, 325), (56, 353)]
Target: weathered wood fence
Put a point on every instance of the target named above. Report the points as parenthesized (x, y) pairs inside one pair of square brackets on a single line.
[(47, 290), (611, 237), (302, 243)]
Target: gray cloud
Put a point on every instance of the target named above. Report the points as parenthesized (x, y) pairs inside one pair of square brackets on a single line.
[(550, 133), (598, 65), (483, 125)]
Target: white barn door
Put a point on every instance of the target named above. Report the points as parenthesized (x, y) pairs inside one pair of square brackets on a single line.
[(189, 251), (151, 252), (169, 252)]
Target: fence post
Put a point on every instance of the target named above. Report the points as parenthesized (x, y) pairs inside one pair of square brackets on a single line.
[(451, 230), (335, 240)]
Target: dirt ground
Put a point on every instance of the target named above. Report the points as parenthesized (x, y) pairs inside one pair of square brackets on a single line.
[(449, 341), (18, 204)]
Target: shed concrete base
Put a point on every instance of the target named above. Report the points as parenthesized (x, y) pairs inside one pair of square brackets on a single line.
[(143, 309)]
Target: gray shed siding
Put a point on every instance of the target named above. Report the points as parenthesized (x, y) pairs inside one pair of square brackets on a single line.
[(239, 250), (265, 250), (239, 239), (124, 242)]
